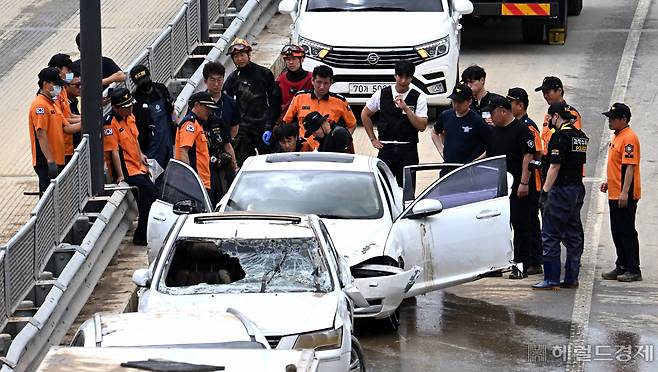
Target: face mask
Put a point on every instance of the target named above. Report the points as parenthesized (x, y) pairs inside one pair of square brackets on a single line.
[(69, 77), (56, 91)]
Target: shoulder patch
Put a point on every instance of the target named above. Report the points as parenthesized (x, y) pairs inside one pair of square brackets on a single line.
[(342, 98), (531, 144), (628, 149), (40, 111), (189, 128), (555, 152), (108, 131)]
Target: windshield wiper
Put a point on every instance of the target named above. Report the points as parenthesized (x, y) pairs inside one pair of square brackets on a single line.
[(264, 281), (379, 9), (328, 9), (333, 216)]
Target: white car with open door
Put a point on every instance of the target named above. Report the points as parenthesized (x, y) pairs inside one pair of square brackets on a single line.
[(456, 231), (280, 270)]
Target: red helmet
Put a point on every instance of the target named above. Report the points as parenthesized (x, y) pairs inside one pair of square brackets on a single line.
[(292, 50), (239, 45)]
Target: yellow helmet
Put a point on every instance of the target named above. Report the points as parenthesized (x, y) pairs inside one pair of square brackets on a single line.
[(239, 45)]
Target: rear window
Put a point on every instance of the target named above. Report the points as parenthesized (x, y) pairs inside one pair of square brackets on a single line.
[(374, 5)]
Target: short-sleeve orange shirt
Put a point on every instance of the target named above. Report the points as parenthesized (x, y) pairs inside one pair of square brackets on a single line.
[(624, 149), (191, 134), (45, 114), (63, 103), (121, 134)]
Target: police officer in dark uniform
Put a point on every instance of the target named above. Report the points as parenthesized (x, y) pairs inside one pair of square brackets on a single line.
[(402, 114), (251, 85), (562, 196), (332, 137), (153, 112)]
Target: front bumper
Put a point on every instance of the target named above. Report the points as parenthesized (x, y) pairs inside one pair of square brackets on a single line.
[(384, 287)]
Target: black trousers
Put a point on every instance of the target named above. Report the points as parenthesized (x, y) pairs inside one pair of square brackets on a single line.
[(146, 195), (397, 157), (535, 257), (248, 141), (520, 219), (42, 174), (624, 235), (220, 181)]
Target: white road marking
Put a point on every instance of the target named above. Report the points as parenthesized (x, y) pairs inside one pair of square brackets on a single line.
[(583, 299)]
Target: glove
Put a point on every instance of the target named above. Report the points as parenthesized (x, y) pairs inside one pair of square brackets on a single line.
[(543, 200), (267, 137), (53, 171)]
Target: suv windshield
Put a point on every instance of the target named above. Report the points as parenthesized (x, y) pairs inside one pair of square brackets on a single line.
[(374, 5), (329, 194), (203, 266)]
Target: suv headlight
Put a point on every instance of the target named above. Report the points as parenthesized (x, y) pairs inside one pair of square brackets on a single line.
[(434, 49), (313, 49), (323, 340)]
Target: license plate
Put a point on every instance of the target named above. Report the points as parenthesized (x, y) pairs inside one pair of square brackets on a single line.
[(369, 88)]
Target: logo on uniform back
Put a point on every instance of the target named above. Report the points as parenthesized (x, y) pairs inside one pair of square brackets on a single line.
[(108, 131), (629, 151), (40, 111), (579, 144), (190, 128)]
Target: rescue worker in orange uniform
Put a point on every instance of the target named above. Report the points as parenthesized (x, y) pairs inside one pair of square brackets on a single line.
[(320, 99), (63, 63), (45, 123), (518, 97), (553, 92), (624, 191), (191, 140), (128, 163)]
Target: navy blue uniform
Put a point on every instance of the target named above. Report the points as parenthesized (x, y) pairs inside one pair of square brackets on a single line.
[(466, 137)]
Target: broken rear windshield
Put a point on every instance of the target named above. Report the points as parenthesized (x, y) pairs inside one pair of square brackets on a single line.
[(202, 266)]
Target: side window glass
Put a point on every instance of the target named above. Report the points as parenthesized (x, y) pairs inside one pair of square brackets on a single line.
[(182, 183), (387, 194), (342, 275), (79, 339), (382, 173), (477, 182)]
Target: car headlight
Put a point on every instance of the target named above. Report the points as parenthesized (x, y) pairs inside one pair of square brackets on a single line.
[(313, 49), (324, 340), (434, 49)]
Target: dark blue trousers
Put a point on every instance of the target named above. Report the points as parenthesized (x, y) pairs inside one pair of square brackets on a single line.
[(561, 224), (146, 195)]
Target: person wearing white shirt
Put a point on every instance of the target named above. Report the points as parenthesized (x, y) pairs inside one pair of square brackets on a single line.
[(402, 114)]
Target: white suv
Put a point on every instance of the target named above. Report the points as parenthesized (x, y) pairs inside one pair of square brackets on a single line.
[(362, 40)]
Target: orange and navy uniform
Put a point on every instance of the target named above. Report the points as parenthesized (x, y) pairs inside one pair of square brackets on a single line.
[(624, 150), (334, 105), (63, 103), (190, 134), (120, 134), (539, 147), (547, 132), (45, 114)]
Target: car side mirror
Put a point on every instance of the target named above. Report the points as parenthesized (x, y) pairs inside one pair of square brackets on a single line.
[(355, 295), (425, 208), (288, 6), (142, 278), (185, 207), (463, 6)]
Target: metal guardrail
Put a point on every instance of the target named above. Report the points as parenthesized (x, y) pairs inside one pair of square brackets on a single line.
[(26, 254)]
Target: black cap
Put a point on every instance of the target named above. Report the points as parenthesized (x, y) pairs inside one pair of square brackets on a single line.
[(312, 122), (550, 82), (618, 110), (517, 94), (140, 74), (497, 101), (60, 60), (203, 98), (121, 97), (561, 109), (51, 75), (461, 93)]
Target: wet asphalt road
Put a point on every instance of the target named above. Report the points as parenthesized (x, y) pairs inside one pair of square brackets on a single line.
[(500, 324)]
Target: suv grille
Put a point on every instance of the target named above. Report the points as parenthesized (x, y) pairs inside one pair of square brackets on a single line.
[(370, 58), (273, 341)]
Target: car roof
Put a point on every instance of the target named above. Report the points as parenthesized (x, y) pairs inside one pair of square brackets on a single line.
[(310, 161), (247, 225)]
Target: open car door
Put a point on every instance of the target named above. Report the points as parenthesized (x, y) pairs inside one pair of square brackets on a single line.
[(458, 229), (180, 183)]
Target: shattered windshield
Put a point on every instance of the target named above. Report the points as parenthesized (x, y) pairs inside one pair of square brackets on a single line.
[(329, 194), (202, 266), (374, 5)]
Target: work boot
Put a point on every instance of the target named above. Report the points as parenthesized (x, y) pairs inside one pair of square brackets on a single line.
[(612, 275), (630, 277), (534, 270), (551, 277)]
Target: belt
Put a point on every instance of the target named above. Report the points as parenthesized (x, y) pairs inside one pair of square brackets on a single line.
[(395, 143)]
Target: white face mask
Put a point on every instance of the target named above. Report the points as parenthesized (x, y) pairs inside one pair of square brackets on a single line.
[(56, 91), (69, 77)]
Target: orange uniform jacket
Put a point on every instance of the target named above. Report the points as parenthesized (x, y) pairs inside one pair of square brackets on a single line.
[(63, 103), (332, 104), (121, 134), (45, 114), (190, 134), (624, 150)]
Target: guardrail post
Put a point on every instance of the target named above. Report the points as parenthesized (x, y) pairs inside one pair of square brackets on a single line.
[(203, 15)]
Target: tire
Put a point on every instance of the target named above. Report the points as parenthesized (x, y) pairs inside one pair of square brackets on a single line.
[(357, 360), (575, 7), (533, 33)]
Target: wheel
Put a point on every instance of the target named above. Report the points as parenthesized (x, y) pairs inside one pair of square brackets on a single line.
[(533, 32), (357, 361), (575, 7)]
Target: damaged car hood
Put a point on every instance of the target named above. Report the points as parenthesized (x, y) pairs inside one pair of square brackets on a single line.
[(273, 313), (358, 240)]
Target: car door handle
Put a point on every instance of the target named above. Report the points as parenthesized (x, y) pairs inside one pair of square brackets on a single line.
[(485, 214), (160, 218)]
